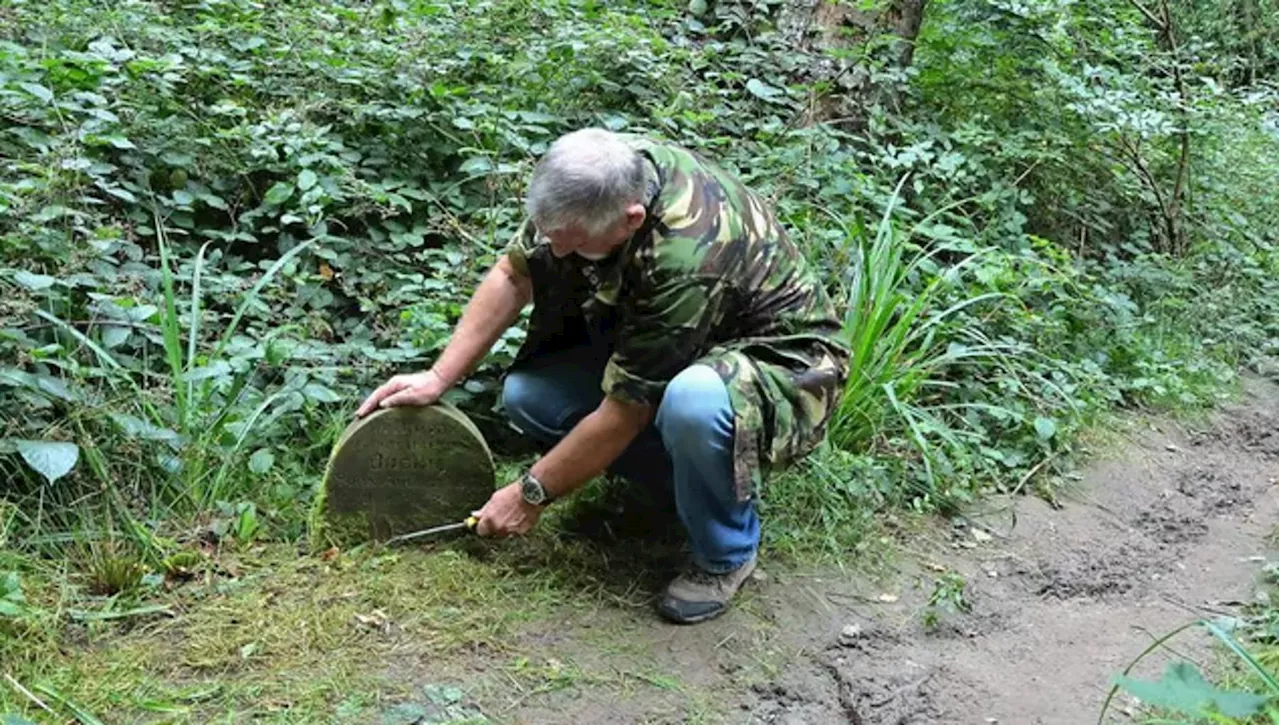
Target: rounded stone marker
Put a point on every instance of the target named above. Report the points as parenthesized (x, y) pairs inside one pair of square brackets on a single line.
[(400, 470)]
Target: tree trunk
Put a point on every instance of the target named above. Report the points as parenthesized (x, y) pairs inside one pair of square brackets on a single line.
[(828, 27)]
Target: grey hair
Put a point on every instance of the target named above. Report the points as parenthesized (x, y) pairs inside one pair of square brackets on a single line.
[(587, 177)]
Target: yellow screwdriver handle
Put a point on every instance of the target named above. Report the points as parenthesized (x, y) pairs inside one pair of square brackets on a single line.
[(472, 522)]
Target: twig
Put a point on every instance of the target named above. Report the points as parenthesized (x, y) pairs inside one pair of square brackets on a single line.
[(29, 695), (1034, 470), (1023, 175), (100, 323), (1164, 646), (1195, 609), (902, 691), (1150, 15)]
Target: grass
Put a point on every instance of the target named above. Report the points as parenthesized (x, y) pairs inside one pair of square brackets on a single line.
[(264, 630)]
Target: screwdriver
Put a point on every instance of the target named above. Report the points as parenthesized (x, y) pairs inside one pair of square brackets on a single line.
[(469, 525)]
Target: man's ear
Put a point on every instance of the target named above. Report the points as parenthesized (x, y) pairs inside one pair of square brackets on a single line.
[(635, 217)]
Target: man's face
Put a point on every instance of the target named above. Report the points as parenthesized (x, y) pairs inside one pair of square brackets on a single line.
[(576, 240)]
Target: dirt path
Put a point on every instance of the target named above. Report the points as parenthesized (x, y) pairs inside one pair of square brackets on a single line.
[(1170, 527)]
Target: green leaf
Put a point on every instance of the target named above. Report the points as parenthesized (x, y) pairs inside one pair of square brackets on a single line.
[(214, 201), (279, 192), (319, 393), (119, 141), (406, 713), (51, 459), (219, 369), (114, 336), (307, 179), (476, 165), (183, 198), (141, 313), (1182, 689), (11, 587), (38, 91), (11, 719), (55, 387), (32, 281), (1045, 427), (442, 694), (120, 193), (261, 461), (762, 90), (138, 428)]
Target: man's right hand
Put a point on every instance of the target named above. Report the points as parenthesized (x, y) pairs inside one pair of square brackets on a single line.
[(416, 389)]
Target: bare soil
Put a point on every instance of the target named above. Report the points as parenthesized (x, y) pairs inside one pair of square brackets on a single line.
[(1170, 526)]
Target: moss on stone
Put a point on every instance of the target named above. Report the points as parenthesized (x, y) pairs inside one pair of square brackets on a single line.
[(412, 468)]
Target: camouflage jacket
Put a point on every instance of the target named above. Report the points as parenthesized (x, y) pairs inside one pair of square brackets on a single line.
[(712, 278)]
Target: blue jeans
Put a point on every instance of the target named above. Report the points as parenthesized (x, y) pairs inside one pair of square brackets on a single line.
[(689, 446)]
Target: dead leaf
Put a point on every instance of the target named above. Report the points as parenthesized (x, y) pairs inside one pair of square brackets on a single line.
[(326, 272), (329, 554), (377, 619), (981, 536), (888, 598), (937, 567)]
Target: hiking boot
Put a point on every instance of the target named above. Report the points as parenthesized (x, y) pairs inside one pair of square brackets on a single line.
[(698, 595)]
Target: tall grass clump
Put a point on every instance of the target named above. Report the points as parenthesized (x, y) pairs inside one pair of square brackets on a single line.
[(911, 321)]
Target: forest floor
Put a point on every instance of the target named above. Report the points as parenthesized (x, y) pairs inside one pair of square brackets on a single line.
[(1171, 525), (1168, 522)]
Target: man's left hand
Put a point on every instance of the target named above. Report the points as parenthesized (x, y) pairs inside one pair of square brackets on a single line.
[(507, 513)]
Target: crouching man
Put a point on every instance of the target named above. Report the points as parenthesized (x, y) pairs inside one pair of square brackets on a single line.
[(676, 335)]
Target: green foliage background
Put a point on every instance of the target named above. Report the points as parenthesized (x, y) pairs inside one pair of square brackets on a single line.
[(223, 222)]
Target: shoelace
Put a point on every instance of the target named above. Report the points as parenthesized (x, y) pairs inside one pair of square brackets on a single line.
[(701, 576)]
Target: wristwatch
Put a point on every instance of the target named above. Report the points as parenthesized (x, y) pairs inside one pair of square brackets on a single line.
[(533, 491)]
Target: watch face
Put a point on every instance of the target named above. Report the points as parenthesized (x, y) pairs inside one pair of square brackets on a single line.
[(532, 491)]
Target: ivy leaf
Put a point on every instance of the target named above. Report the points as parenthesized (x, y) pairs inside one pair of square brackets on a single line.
[(307, 179), (762, 90), (38, 91), (119, 141), (32, 281), (1184, 690), (279, 192), (51, 459), (183, 198), (261, 461), (1045, 427)]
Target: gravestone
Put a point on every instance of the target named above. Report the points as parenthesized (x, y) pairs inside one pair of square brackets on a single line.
[(400, 470)]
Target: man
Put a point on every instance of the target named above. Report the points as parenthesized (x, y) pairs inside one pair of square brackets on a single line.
[(675, 330)]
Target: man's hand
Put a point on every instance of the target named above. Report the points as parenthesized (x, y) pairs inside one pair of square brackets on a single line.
[(507, 513), (416, 389)]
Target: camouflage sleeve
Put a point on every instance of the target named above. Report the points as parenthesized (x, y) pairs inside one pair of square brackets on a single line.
[(662, 333), (523, 245)]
